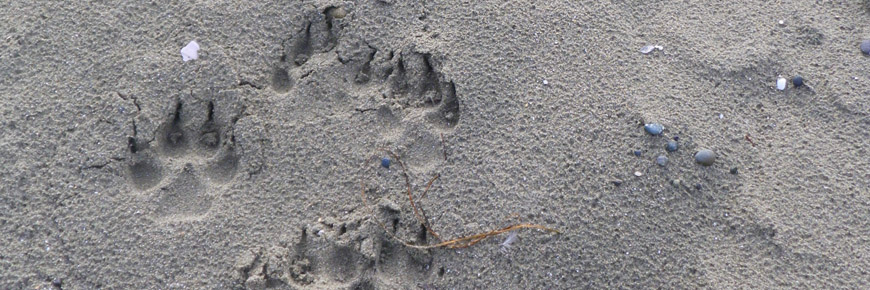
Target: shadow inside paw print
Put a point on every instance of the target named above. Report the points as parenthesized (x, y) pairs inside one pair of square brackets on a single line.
[(414, 80), (319, 34), (193, 158), (334, 254), (319, 62)]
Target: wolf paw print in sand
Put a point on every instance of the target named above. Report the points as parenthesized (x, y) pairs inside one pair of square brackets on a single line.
[(332, 255), (402, 93), (319, 34), (328, 70), (407, 82), (191, 159)]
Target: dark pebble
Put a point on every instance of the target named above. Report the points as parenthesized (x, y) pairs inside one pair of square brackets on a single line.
[(797, 81), (865, 46), (57, 282), (662, 160), (705, 157), (676, 138), (733, 170), (385, 162), (698, 186), (654, 128), (637, 153), (672, 146), (617, 182)]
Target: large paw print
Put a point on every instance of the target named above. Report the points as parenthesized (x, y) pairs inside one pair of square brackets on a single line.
[(194, 158), (319, 63), (333, 255), (413, 81), (319, 34)]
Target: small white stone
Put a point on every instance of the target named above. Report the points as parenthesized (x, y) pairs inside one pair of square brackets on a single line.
[(638, 174), (190, 51), (780, 84), (647, 49), (546, 82)]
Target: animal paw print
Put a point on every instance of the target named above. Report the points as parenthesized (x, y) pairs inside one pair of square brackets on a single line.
[(194, 158), (333, 255), (319, 34), (413, 81), (408, 81), (319, 63)]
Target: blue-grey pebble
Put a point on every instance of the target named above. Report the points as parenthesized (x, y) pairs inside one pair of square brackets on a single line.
[(385, 162), (705, 157), (637, 153), (672, 146), (662, 160), (865, 46), (654, 128), (797, 81)]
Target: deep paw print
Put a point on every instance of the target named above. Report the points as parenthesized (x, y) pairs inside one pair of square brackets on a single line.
[(407, 80), (193, 159), (319, 34)]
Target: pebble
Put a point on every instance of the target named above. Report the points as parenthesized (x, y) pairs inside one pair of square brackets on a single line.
[(338, 13), (654, 128), (676, 138), (385, 162), (780, 83), (705, 157), (637, 153), (797, 81), (698, 186), (57, 282), (865, 46), (733, 170), (649, 48), (638, 174), (662, 160), (672, 146), (617, 182)]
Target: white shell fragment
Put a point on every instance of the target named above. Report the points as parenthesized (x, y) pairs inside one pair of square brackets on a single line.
[(649, 48), (780, 83), (190, 51)]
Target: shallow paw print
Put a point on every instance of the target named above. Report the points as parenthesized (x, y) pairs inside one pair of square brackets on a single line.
[(194, 159), (326, 256)]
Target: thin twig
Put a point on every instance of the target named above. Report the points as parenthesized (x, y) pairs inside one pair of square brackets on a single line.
[(422, 196), (457, 243), (417, 212)]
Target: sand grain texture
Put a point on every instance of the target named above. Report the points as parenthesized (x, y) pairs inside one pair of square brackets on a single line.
[(125, 167)]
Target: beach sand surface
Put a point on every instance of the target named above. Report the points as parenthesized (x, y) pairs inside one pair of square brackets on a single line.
[(124, 167)]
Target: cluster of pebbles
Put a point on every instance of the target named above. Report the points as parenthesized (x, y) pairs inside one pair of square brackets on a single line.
[(705, 157)]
